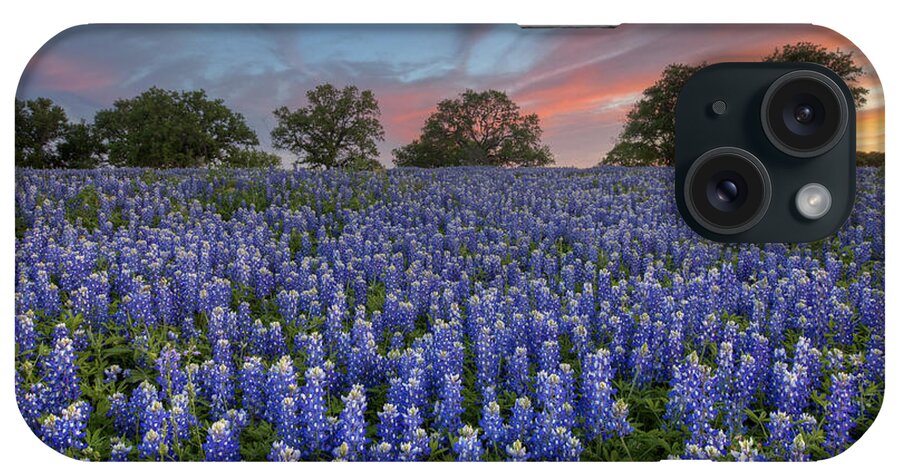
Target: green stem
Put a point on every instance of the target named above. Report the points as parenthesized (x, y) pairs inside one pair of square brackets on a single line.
[(627, 451)]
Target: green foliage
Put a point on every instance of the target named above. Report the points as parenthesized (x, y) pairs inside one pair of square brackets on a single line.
[(841, 62), (648, 137), (365, 164), (81, 148), (251, 158), (870, 159), (85, 207), (164, 129), (338, 128), (633, 154), (477, 128), (230, 195), (40, 126)]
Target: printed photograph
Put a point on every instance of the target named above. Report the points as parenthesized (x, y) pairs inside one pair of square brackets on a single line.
[(421, 243)]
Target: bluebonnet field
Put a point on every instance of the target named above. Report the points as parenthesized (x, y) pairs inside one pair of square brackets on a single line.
[(453, 314)]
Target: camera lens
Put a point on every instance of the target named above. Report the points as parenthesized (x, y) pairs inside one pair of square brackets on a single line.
[(804, 113), (727, 190)]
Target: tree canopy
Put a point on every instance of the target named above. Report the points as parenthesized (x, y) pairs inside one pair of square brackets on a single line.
[(251, 158), (81, 147), (338, 128), (841, 62), (477, 128), (648, 137), (162, 128), (40, 126)]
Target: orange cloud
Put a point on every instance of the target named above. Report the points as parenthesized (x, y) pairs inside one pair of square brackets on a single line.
[(870, 130)]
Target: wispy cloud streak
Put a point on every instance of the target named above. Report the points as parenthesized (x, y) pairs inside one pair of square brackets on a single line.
[(581, 82)]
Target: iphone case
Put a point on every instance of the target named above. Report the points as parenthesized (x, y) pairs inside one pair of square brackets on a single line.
[(220, 257)]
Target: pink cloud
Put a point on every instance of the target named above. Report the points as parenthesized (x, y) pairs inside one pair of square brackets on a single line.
[(581, 82), (69, 74)]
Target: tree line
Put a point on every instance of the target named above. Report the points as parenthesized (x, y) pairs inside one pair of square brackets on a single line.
[(648, 137), (337, 128), (341, 128), (157, 128)]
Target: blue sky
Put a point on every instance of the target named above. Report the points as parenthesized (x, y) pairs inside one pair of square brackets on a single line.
[(581, 82)]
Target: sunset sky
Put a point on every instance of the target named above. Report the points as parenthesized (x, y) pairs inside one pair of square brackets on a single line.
[(580, 81)]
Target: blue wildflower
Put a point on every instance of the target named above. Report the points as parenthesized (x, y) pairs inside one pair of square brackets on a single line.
[(468, 446), (61, 375), (221, 442), (516, 451), (25, 334), (119, 451), (840, 412), (313, 424), (280, 383), (448, 409), (351, 430), (68, 429), (252, 382), (283, 452)]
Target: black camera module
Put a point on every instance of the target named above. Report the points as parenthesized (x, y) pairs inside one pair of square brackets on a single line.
[(727, 190), (780, 166), (804, 113)]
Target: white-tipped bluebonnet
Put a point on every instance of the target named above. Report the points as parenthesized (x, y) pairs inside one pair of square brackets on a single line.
[(516, 451), (158, 434), (283, 452), (312, 346), (745, 449), (383, 451), (26, 336), (281, 382), (552, 438), (492, 424), (313, 424), (691, 406), (217, 386), (252, 381), (286, 422), (289, 305), (487, 356), (61, 375), (449, 407), (67, 429), (518, 371), (124, 420), (521, 421), (468, 446), (172, 378), (414, 440), (602, 415), (390, 425), (840, 412), (111, 374), (153, 446), (351, 427), (181, 417), (221, 442), (32, 402), (119, 451)]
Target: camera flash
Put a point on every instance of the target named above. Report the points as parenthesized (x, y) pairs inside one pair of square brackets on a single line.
[(813, 201)]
